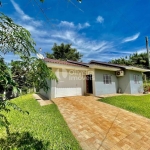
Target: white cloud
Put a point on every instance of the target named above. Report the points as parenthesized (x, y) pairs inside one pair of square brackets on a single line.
[(67, 24), (79, 26), (80, 42), (64, 32), (25, 17), (100, 19), (82, 26), (131, 38), (34, 31), (20, 11)]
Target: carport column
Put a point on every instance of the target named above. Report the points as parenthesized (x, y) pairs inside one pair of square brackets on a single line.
[(53, 89), (93, 82), (53, 86)]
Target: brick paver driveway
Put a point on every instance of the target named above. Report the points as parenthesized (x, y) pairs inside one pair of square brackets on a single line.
[(99, 126)]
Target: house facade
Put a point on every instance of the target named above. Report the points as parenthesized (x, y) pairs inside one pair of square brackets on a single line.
[(95, 78)]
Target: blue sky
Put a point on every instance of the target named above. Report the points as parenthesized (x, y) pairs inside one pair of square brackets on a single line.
[(100, 29)]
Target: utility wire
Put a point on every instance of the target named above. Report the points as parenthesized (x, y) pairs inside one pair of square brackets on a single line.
[(29, 1), (47, 18), (116, 10), (75, 5)]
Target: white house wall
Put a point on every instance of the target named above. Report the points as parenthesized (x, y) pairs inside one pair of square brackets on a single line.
[(136, 87), (124, 82), (100, 87), (74, 83), (127, 84)]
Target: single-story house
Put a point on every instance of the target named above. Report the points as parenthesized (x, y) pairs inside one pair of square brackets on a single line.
[(96, 78)]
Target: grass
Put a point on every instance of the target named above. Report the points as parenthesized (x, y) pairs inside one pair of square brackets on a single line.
[(43, 128), (137, 104)]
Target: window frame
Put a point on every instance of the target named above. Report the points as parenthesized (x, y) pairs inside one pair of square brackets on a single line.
[(136, 79), (107, 79)]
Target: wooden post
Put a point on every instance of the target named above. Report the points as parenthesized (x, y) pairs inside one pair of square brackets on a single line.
[(148, 53)]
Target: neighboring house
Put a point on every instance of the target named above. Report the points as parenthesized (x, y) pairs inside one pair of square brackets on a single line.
[(97, 78)]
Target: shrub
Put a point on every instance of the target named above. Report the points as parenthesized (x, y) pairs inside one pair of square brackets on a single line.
[(146, 87)]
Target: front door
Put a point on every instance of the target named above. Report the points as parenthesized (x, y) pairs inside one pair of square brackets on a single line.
[(89, 84)]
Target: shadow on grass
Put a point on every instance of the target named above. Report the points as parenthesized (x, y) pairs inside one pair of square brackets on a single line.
[(22, 141)]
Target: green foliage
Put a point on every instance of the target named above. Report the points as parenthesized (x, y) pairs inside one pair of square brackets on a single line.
[(15, 38), (135, 59), (64, 52), (23, 140), (31, 72), (5, 106), (6, 78), (44, 126), (137, 104), (39, 73), (18, 40), (28, 72), (146, 87)]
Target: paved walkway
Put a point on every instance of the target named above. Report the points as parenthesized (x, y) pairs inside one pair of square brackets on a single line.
[(42, 100), (100, 126)]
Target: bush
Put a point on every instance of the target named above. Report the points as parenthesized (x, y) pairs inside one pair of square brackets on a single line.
[(146, 87)]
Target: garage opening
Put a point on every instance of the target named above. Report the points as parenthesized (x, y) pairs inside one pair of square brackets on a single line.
[(71, 85), (89, 84)]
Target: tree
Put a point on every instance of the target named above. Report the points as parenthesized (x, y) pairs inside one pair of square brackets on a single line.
[(17, 40), (5, 78), (64, 52), (135, 59)]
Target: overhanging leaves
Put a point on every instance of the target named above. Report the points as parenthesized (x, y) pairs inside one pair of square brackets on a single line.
[(15, 38)]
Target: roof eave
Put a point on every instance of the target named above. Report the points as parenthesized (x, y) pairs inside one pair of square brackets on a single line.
[(137, 69), (64, 66), (94, 66)]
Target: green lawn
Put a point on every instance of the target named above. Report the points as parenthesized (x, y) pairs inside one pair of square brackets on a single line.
[(43, 128), (137, 104)]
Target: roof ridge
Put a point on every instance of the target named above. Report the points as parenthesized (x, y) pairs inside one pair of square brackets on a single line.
[(76, 62), (64, 62)]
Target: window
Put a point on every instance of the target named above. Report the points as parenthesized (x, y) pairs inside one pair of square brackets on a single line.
[(136, 79), (107, 79)]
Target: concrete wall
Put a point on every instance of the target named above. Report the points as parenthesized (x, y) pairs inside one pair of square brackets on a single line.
[(48, 93), (124, 82), (127, 84), (136, 87), (100, 87)]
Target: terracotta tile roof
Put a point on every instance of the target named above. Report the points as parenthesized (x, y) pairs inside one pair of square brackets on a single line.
[(71, 63)]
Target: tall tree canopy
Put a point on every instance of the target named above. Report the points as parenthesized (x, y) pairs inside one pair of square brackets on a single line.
[(64, 52), (135, 59), (17, 40)]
